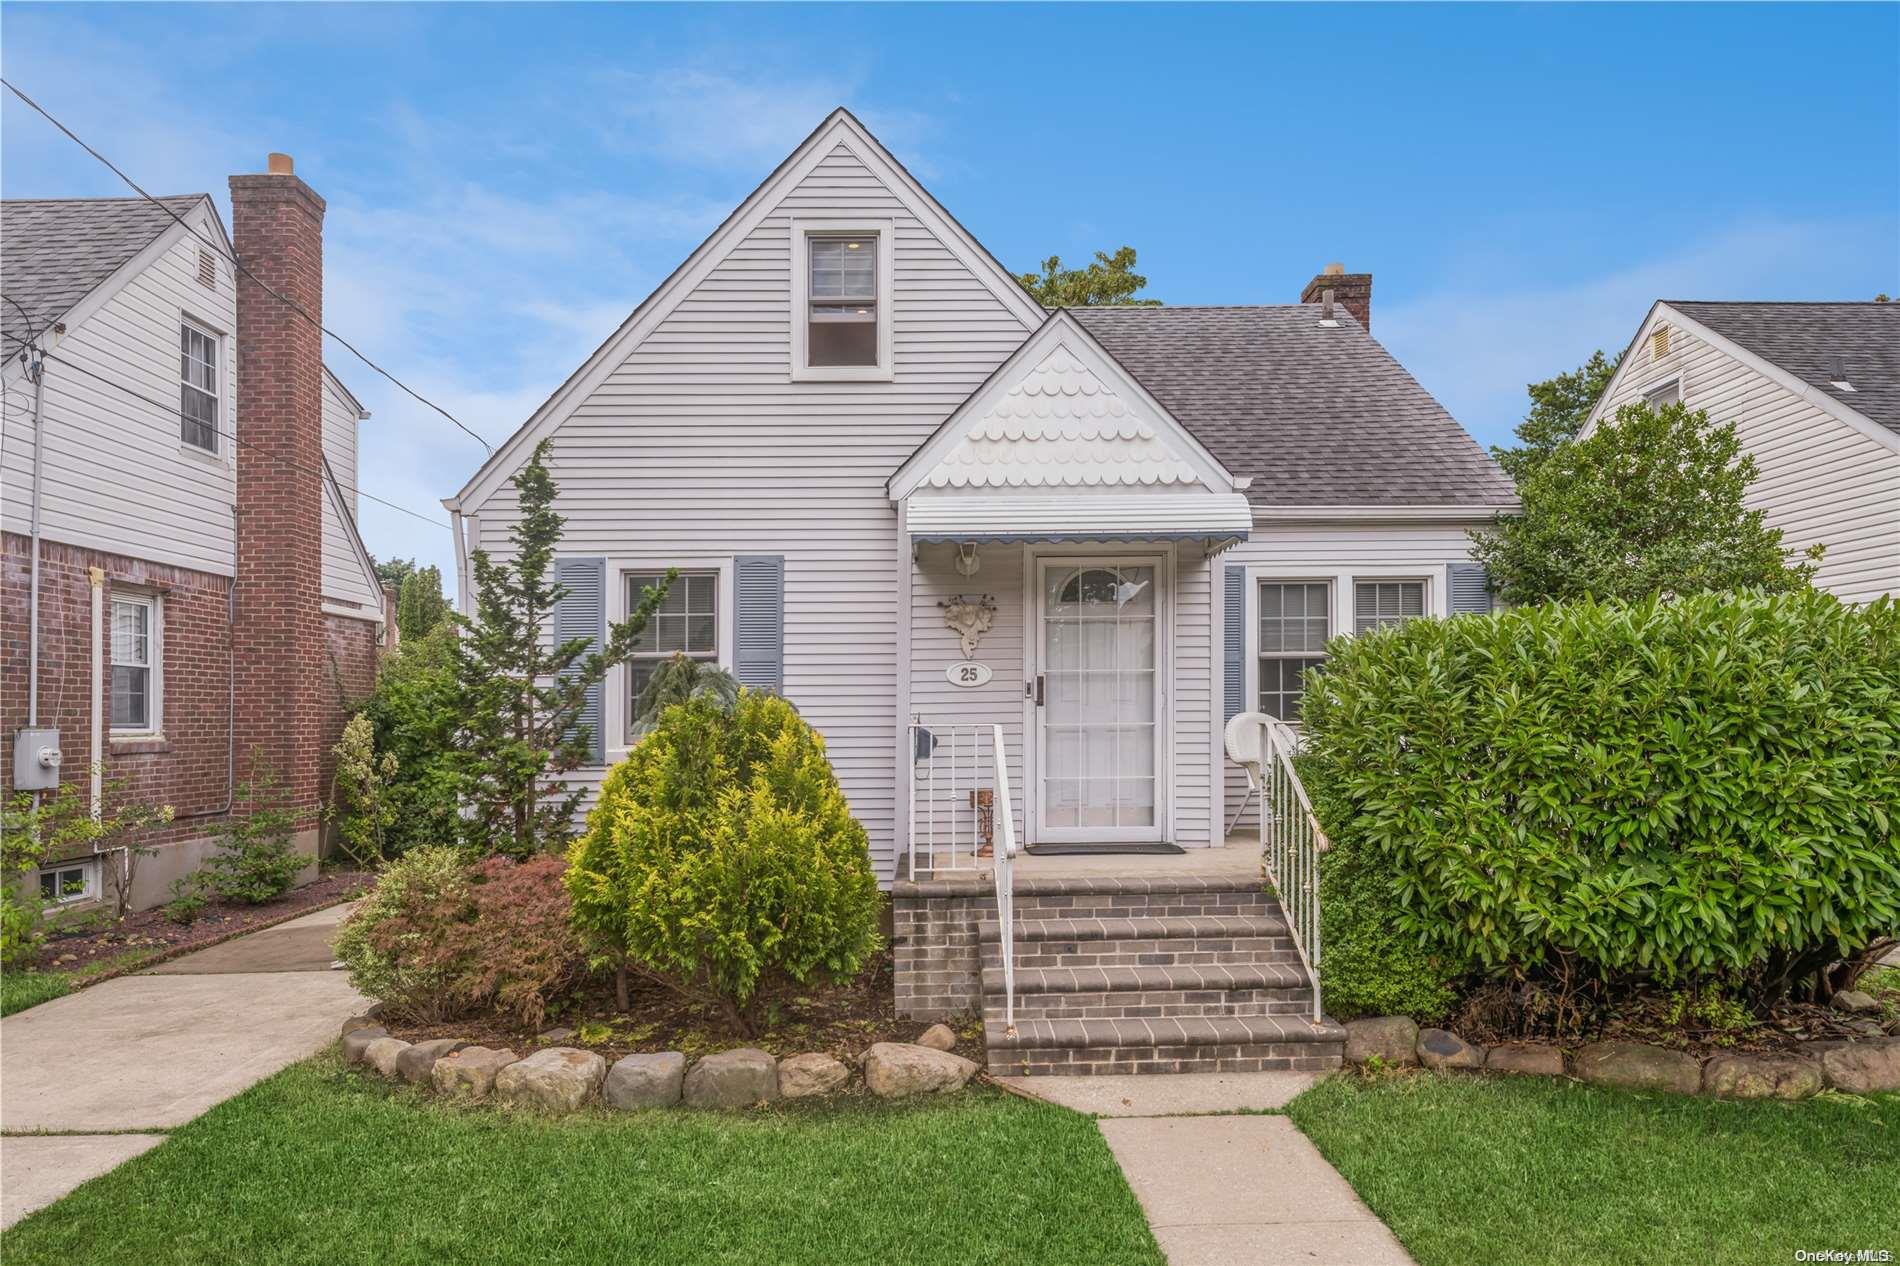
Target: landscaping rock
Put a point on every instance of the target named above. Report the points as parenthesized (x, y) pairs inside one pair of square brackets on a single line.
[(558, 1079), (939, 1037), (417, 1064), (560, 1034), (1527, 1058), (813, 1074), (356, 1042), (356, 1022), (1855, 1002), (1440, 1048), (645, 1081), (895, 1070), (381, 1055), (1635, 1066), (1392, 1039), (1743, 1076), (732, 1079), (1864, 1068), (470, 1072)]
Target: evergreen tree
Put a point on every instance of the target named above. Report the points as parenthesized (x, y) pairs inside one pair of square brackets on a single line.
[(1111, 280), (519, 697), (1559, 408), (420, 605)]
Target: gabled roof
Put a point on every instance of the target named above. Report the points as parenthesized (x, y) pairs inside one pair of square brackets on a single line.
[(1313, 415), (1813, 341), (56, 251), (1060, 412)]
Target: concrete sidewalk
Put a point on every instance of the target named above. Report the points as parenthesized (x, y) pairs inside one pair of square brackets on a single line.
[(1227, 1190), (97, 1071)]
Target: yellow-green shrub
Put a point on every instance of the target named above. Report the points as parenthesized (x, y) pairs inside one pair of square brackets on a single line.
[(722, 859)]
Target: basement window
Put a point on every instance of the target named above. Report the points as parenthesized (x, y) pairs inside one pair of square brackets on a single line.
[(841, 300), (69, 883)]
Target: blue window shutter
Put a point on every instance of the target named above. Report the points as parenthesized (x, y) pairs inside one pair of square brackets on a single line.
[(1469, 589), (583, 613), (1234, 643), (758, 605)]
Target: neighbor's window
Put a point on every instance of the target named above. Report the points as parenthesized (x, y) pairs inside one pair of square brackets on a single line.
[(1667, 394), (842, 294), (134, 683), (1377, 603), (69, 882), (687, 623), (198, 387), (1295, 619)]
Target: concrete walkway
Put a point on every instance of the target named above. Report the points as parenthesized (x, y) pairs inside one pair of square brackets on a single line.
[(1227, 1190), (96, 1074)]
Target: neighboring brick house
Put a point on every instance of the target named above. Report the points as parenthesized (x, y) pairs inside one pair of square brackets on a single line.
[(205, 603)]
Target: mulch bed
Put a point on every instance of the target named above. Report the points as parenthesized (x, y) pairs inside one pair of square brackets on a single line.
[(148, 936), (844, 1021)]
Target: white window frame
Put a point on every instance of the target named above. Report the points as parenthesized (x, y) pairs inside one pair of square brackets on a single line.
[(219, 397), (615, 707), (1350, 623), (1254, 654), (802, 232), (88, 867), (1656, 389), (154, 666)]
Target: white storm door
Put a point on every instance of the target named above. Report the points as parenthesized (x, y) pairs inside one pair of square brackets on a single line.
[(1099, 739)]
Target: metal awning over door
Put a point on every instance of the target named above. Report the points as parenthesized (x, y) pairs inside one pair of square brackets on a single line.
[(1221, 519)]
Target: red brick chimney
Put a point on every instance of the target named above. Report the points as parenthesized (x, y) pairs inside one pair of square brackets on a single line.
[(1351, 291), (277, 229)]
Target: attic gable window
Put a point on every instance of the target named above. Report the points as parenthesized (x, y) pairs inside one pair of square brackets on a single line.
[(198, 387), (841, 300)]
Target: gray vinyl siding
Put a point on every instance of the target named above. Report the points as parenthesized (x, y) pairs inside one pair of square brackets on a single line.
[(1337, 554), (1821, 480), (344, 578), (117, 476), (698, 444)]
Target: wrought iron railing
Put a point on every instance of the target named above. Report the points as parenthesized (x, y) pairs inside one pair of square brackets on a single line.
[(1291, 842)]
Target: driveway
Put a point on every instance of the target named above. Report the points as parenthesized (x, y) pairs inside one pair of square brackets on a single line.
[(89, 1080)]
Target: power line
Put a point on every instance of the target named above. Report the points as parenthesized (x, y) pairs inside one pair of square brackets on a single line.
[(238, 264), (326, 472)]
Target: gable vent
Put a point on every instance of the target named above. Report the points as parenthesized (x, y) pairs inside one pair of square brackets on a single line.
[(1659, 342), (207, 269)]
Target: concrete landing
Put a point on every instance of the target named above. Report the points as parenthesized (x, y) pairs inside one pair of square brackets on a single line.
[(1245, 1191), (1180, 1094)]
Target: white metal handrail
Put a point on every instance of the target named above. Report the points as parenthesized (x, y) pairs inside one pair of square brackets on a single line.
[(1291, 842), (1005, 878), (953, 812)]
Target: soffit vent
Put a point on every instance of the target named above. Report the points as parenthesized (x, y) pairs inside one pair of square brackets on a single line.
[(207, 269), (1659, 342)]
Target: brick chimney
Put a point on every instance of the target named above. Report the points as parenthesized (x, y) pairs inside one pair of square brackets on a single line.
[(277, 229), (1351, 291)]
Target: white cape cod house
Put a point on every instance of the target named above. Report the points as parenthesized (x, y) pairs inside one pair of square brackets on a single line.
[(924, 507)]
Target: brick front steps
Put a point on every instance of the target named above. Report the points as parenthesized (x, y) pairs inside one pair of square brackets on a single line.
[(1121, 975)]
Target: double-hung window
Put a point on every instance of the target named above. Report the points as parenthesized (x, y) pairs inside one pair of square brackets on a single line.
[(135, 642), (1295, 620), (841, 300), (1377, 603), (687, 623), (198, 387), (1667, 394)]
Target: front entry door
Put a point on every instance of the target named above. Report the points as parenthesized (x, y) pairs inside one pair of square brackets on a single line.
[(1099, 719)]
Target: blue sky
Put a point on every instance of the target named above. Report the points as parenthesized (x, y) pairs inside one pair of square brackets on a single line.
[(507, 182)]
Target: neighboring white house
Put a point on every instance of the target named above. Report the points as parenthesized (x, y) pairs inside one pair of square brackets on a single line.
[(849, 427), (1814, 392)]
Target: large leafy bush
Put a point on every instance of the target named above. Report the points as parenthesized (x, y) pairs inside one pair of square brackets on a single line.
[(1624, 794), (723, 861), (438, 938), (412, 718)]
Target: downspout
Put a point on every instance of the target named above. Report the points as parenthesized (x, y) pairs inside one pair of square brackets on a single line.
[(97, 575), (461, 554)]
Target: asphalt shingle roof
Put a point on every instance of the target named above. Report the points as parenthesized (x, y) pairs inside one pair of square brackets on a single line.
[(1814, 340), (1316, 415), (55, 252)]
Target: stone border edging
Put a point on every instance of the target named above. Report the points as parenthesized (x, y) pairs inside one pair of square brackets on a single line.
[(563, 1079), (1865, 1066)]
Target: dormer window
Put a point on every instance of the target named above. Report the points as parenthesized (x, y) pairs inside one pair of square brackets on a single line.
[(841, 317)]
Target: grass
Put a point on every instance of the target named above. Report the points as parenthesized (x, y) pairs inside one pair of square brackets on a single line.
[(21, 988), (1484, 1170), (319, 1164)]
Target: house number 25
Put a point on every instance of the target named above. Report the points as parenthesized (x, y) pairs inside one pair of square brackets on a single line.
[(968, 675)]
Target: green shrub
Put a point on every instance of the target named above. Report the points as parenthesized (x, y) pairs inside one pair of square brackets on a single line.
[(723, 861), (1367, 965), (254, 861), (412, 720), (389, 942), (1657, 792)]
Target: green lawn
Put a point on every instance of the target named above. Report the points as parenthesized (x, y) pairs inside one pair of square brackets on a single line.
[(1473, 1171), (320, 1165), (20, 988)]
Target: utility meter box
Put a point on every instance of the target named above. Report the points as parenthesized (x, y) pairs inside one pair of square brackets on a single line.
[(36, 760)]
